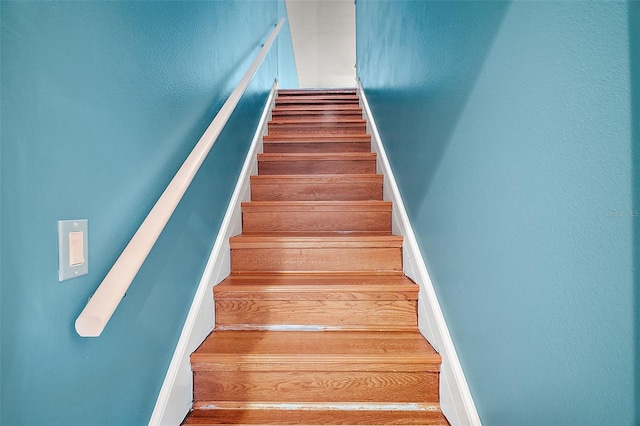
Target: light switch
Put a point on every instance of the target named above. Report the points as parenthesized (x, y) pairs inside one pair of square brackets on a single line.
[(76, 248), (72, 248)]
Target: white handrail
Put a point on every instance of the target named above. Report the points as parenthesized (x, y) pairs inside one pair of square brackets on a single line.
[(105, 300)]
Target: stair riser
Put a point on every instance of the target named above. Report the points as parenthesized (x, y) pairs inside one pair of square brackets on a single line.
[(316, 92), (349, 315), (313, 386), (317, 147), (309, 130), (317, 118), (311, 115), (303, 102), (313, 167), (357, 259), (326, 191), (329, 110), (233, 364), (318, 417), (319, 121), (261, 220)]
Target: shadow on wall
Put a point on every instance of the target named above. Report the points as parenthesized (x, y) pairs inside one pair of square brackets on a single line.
[(430, 89), (634, 47)]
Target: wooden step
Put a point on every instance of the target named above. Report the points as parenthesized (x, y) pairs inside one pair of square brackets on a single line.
[(319, 128), (322, 145), (316, 414), (314, 216), (316, 187), (294, 143), (318, 100), (328, 97), (298, 113), (317, 120), (328, 366), (317, 109), (329, 253), (306, 92), (284, 112), (363, 302), (304, 164), (315, 117)]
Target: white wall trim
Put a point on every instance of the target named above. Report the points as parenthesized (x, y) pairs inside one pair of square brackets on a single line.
[(455, 398), (176, 395)]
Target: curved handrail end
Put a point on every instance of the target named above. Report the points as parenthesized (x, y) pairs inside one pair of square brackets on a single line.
[(89, 325)]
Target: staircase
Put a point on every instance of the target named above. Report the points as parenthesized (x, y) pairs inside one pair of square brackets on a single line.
[(316, 323)]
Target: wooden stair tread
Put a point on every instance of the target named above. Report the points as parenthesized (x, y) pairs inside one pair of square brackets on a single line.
[(305, 347), (325, 240), (301, 121), (326, 109), (323, 187), (316, 147), (337, 121), (316, 163), (317, 101), (288, 138), (334, 156), (316, 253), (317, 143), (320, 91), (289, 280), (316, 315), (316, 217), (260, 302), (315, 414), (315, 179), (320, 129), (330, 287), (226, 290), (315, 291), (292, 206), (331, 98), (317, 127), (298, 114)]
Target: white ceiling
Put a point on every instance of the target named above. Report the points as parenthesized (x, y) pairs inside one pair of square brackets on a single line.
[(323, 33)]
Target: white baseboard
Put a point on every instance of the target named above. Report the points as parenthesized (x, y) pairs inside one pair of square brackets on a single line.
[(176, 395), (455, 398)]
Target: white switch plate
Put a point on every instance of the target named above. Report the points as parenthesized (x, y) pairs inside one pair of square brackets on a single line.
[(73, 248)]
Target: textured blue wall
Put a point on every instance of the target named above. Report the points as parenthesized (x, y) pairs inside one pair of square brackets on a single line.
[(509, 128), (101, 103)]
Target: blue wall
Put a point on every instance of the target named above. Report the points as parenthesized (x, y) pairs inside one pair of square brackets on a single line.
[(509, 128), (101, 103)]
